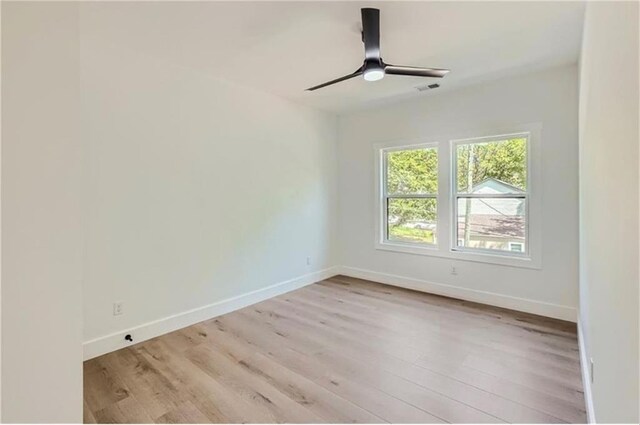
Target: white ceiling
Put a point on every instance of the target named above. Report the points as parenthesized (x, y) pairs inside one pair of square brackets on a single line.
[(285, 47)]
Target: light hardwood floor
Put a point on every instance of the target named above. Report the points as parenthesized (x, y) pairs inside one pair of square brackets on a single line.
[(346, 350)]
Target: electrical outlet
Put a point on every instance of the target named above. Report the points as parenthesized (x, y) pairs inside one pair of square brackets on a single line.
[(308, 261), (118, 308), (454, 271), (591, 369)]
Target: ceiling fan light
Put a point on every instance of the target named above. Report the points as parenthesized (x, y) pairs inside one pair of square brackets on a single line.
[(373, 74)]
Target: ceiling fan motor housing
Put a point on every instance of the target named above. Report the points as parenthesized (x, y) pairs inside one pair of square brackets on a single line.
[(373, 65)]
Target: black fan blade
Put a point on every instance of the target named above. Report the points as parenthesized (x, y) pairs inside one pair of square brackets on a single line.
[(414, 71), (337, 80), (371, 32)]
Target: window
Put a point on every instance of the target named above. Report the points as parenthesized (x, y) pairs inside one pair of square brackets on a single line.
[(472, 199), (410, 190), (490, 199)]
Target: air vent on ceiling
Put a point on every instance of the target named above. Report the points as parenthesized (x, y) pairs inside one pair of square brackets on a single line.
[(427, 87)]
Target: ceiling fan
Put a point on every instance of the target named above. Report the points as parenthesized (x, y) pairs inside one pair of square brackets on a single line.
[(374, 68)]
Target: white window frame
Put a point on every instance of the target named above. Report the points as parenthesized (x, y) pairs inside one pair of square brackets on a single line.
[(455, 196), (384, 240), (445, 219)]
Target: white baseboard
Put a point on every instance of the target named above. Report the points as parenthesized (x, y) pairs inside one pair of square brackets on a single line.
[(586, 378), (115, 341), (105, 344), (514, 303)]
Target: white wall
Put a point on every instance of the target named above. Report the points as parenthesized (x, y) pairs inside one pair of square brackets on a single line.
[(198, 190), (549, 98), (41, 214), (609, 206)]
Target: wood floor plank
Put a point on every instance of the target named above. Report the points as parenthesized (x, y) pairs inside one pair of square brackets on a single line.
[(479, 311), (443, 346), (336, 332), (346, 350), (492, 404), (318, 399), (87, 414), (150, 387), (429, 398), (560, 373), (559, 389), (449, 318), (374, 323), (101, 388), (442, 307), (207, 394), (570, 409), (125, 410), (371, 399), (250, 387), (338, 306), (296, 386), (430, 401), (185, 413)]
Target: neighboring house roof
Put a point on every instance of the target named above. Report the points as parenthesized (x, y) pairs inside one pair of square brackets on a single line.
[(491, 185), (496, 206), (498, 217)]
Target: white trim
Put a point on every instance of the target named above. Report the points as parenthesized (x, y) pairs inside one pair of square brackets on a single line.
[(486, 257), (455, 195), (445, 241), (586, 378), (555, 311), (115, 341), (382, 236)]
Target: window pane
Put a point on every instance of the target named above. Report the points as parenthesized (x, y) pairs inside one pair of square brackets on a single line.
[(492, 167), (516, 247), (492, 223), (412, 171), (412, 220)]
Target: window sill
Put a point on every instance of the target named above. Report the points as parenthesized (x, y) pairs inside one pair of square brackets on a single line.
[(478, 257)]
